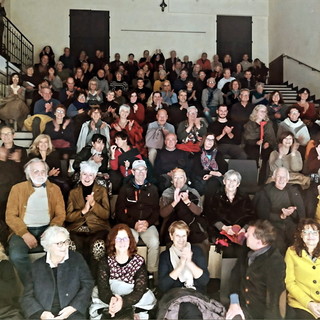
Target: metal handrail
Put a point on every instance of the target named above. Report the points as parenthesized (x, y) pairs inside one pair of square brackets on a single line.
[(300, 62), (16, 49)]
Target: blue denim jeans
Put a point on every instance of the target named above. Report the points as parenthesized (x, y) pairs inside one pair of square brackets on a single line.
[(19, 252)]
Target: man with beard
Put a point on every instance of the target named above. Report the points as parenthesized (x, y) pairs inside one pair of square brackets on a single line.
[(32, 206)]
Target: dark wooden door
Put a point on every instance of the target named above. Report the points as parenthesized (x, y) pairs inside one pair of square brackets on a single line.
[(234, 36), (89, 31)]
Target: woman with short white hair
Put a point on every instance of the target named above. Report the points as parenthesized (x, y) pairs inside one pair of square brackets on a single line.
[(88, 211), (60, 283)]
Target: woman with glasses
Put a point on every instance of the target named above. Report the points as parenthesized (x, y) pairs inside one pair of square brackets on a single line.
[(122, 279), (302, 272), (61, 132), (60, 283)]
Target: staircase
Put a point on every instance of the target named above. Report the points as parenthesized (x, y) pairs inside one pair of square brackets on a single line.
[(289, 94)]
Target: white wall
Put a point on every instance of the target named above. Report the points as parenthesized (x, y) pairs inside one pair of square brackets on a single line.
[(47, 22), (294, 31)]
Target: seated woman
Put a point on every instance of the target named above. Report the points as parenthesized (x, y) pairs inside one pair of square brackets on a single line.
[(60, 283), (55, 81), (308, 113), (190, 132), (133, 129), (294, 124), (276, 109), (229, 210), (91, 127), (137, 109), (13, 108), (80, 81), (119, 82), (259, 96), (122, 279), (42, 148), (238, 73), (183, 278), (88, 211), (10, 290), (180, 202), (122, 155), (94, 96), (61, 132), (232, 96), (288, 156), (259, 70), (208, 166), (259, 138), (302, 265), (96, 153)]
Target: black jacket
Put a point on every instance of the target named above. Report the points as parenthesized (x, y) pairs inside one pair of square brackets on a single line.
[(137, 203), (74, 285), (259, 285)]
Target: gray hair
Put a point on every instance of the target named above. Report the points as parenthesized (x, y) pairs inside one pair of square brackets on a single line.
[(49, 235), (88, 167), (124, 106), (192, 108), (29, 163), (281, 168), (230, 173)]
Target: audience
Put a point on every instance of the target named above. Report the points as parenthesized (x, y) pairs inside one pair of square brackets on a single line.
[(150, 120)]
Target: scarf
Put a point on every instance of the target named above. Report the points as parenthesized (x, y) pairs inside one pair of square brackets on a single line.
[(79, 105), (185, 276), (208, 160)]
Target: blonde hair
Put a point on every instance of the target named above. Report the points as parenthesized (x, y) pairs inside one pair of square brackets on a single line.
[(180, 224), (253, 115), (34, 147)]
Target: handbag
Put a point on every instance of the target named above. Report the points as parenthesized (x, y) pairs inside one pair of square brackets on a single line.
[(155, 138)]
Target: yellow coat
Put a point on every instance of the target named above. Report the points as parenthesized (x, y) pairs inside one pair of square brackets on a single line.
[(318, 211), (302, 279)]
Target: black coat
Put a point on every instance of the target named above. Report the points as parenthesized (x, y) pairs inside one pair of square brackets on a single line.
[(259, 285), (74, 285)]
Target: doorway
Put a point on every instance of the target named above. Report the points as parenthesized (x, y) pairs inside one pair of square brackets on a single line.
[(234, 36), (89, 31)]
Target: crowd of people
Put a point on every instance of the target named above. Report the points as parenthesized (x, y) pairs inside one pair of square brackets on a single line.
[(148, 143)]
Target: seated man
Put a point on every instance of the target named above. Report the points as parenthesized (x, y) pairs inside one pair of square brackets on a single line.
[(96, 153), (161, 127), (282, 204), (43, 110), (67, 95), (227, 134), (178, 111), (32, 206), (210, 99), (138, 207), (168, 95), (257, 279), (248, 82), (241, 111), (168, 159)]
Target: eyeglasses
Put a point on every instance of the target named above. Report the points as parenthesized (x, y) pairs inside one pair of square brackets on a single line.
[(60, 111), (66, 242), (140, 170), (124, 239), (210, 82), (310, 232), (6, 133)]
